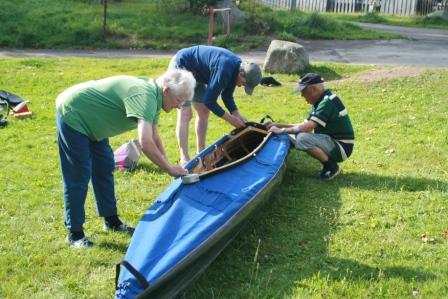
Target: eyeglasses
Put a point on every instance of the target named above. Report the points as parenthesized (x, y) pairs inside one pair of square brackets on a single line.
[(178, 100)]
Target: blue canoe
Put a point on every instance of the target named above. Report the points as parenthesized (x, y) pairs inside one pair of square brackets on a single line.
[(188, 225)]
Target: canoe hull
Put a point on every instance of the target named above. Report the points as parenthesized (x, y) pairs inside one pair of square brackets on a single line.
[(193, 266), (189, 225)]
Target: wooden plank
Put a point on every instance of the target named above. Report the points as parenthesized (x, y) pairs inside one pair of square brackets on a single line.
[(383, 8), (397, 3), (399, 6), (323, 6), (391, 7), (413, 7), (407, 7)]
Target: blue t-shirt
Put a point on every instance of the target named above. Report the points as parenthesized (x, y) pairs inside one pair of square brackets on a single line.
[(216, 67)]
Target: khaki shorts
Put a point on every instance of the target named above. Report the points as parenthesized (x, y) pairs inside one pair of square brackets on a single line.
[(307, 141)]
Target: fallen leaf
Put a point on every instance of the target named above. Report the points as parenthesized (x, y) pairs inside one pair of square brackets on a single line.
[(390, 151), (429, 240)]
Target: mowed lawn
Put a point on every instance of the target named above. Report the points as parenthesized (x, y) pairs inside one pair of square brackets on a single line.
[(378, 230)]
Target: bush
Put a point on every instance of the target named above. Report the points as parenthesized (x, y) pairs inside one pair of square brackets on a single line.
[(237, 42), (286, 36), (433, 21), (194, 6), (372, 17), (260, 19)]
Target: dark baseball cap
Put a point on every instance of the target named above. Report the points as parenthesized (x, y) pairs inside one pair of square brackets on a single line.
[(252, 74), (307, 79)]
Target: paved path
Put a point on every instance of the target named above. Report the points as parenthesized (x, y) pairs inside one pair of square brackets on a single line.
[(424, 47)]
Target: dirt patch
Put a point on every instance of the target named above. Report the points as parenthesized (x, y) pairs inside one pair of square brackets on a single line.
[(386, 73)]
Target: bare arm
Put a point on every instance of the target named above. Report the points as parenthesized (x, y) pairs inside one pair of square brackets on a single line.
[(271, 124), (158, 141), (237, 114), (152, 147), (307, 126), (233, 120)]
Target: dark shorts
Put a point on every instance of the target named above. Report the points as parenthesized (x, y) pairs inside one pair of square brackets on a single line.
[(199, 90)]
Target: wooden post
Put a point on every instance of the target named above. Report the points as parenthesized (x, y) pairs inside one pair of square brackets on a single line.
[(211, 21), (104, 18), (229, 19), (293, 4)]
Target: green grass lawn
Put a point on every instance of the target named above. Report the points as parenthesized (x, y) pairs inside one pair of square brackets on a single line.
[(138, 24), (415, 21), (375, 231)]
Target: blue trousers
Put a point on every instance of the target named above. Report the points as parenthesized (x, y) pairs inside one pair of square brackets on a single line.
[(83, 160)]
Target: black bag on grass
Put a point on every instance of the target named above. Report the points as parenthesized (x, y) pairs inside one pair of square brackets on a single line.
[(7, 101)]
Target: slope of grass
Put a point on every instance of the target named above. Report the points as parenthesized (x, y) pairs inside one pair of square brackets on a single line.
[(149, 24), (377, 231)]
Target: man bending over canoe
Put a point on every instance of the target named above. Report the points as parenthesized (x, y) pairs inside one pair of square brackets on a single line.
[(217, 72), (333, 138), (91, 112)]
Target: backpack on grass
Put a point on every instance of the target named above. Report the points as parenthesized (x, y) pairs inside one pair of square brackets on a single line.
[(127, 155)]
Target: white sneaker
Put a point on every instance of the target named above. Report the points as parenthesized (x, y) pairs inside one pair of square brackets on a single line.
[(81, 243)]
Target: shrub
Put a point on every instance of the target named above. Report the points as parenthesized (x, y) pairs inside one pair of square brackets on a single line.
[(372, 17), (286, 36), (260, 19)]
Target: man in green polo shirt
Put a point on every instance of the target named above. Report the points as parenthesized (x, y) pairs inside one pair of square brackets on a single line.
[(333, 138), (91, 112)]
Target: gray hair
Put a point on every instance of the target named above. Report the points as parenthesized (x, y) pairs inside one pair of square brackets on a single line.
[(179, 82)]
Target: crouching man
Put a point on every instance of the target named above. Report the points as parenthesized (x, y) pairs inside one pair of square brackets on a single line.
[(91, 112), (333, 138)]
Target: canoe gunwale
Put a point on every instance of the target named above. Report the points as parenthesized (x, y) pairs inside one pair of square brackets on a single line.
[(223, 147)]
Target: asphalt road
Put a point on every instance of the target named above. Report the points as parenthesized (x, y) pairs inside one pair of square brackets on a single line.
[(423, 47)]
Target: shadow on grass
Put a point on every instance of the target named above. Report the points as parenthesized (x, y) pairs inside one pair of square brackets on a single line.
[(387, 183), (116, 246), (286, 244), (328, 73), (149, 168)]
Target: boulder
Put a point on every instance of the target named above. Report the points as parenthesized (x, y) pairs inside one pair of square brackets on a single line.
[(286, 57)]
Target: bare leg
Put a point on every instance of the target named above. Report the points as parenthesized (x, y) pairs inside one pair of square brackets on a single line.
[(183, 123), (201, 125), (318, 154)]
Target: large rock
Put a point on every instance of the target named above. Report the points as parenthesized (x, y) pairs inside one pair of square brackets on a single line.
[(286, 57)]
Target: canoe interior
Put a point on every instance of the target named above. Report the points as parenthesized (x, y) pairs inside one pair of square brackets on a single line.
[(240, 145)]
